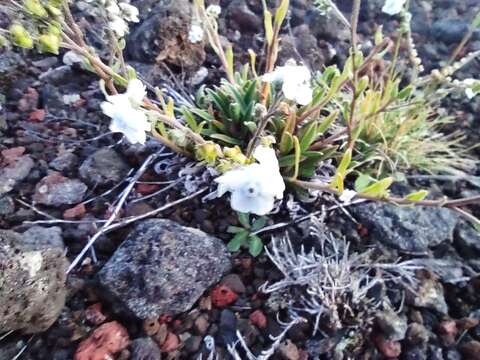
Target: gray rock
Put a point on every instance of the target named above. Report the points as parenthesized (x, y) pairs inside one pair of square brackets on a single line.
[(430, 295), (393, 326), (245, 19), (104, 167), (32, 281), (7, 205), (57, 190), (467, 240), (163, 268), (163, 36), (145, 349), (408, 229), (14, 173), (449, 31), (64, 162), (42, 235)]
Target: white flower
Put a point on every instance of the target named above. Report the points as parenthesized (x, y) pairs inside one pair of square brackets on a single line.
[(254, 187), (214, 10), (195, 35), (118, 26), (127, 116), (393, 7), (347, 196), (469, 83), (129, 12), (296, 81), (71, 57)]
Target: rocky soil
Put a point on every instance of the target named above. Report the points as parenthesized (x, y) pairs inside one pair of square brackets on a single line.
[(166, 288)]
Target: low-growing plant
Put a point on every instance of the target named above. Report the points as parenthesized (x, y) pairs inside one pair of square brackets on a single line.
[(245, 236), (266, 124)]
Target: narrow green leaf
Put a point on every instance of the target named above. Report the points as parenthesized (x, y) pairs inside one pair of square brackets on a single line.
[(226, 139), (267, 22), (308, 136), (325, 124), (379, 188), (286, 143), (344, 163), (405, 93), (417, 196), (281, 13), (298, 152)]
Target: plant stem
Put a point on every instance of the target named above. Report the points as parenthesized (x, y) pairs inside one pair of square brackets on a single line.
[(446, 203)]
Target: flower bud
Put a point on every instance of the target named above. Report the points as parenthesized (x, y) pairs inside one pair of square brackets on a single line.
[(34, 7), (235, 153), (49, 43), (20, 36), (208, 152)]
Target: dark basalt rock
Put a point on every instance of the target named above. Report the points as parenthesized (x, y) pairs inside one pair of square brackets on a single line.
[(163, 268), (413, 229)]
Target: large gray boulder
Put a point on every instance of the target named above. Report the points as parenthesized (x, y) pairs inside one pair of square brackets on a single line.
[(412, 229), (163, 268), (32, 280)]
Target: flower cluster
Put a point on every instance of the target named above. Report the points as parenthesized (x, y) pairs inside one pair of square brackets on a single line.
[(119, 14), (254, 187), (296, 81), (127, 115)]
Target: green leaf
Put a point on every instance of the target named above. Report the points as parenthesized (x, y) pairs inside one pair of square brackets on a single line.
[(379, 188), (267, 22), (417, 196), (362, 182), (405, 92), (234, 229), (281, 13), (259, 223), (308, 136), (226, 139), (325, 124), (344, 163), (286, 161), (255, 245), (296, 146), (229, 57), (286, 143), (476, 21), (238, 240), (244, 219)]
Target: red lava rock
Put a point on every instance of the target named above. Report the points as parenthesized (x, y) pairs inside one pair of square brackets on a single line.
[(223, 296), (362, 230), (108, 339), (172, 342), (75, 212), (258, 319), (391, 349), (467, 323), (29, 100), (165, 318), (94, 315), (11, 155), (448, 327), (146, 189), (37, 115)]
